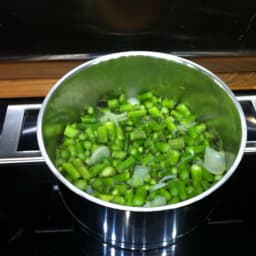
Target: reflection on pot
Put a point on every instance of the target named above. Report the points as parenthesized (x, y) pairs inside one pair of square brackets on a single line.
[(194, 243), (124, 15)]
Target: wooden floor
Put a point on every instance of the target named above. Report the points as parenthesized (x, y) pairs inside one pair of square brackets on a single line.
[(34, 79)]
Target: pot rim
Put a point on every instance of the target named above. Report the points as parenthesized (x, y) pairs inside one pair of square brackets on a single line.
[(153, 54)]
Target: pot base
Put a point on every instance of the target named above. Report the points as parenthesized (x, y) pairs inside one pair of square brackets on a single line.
[(87, 242), (131, 230)]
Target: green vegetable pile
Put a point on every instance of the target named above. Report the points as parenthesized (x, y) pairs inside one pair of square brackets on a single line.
[(143, 151)]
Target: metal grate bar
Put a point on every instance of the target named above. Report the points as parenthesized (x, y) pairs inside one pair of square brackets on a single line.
[(10, 136), (13, 123), (250, 145)]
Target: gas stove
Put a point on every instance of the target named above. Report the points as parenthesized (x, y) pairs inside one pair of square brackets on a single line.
[(39, 224)]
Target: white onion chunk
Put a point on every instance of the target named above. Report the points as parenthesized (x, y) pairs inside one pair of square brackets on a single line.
[(115, 118), (99, 153), (214, 161)]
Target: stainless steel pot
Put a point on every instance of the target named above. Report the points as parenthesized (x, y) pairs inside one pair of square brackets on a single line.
[(209, 98)]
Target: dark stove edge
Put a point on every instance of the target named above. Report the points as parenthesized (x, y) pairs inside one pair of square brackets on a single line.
[(88, 56)]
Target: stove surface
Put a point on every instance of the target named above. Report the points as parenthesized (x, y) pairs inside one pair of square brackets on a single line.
[(39, 224)]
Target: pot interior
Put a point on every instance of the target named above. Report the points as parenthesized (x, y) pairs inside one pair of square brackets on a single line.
[(206, 95)]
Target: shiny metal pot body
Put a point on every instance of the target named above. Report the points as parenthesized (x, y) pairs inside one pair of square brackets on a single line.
[(134, 230), (208, 97)]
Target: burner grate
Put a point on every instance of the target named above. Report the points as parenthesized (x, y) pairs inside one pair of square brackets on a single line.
[(18, 144), (10, 138)]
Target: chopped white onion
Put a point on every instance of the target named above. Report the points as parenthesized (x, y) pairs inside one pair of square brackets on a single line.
[(167, 177), (113, 117), (89, 189), (133, 101), (157, 201), (185, 127), (158, 186), (141, 170), (139, 174), (162, 183), (99, 153), (136, 180), (214, 161)]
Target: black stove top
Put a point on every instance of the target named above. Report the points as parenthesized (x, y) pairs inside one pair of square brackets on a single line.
[(39, 224)]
